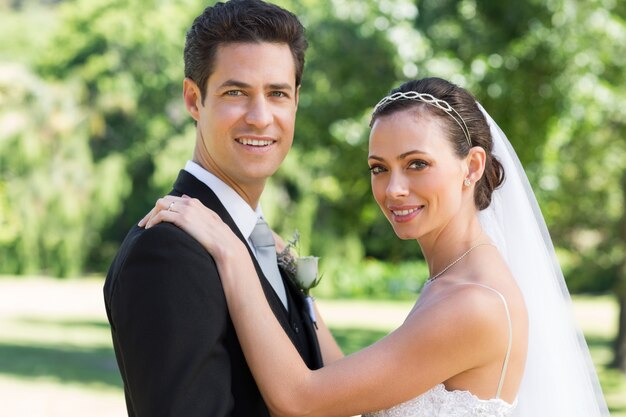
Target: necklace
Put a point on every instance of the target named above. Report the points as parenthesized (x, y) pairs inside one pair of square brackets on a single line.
[(451, 264)]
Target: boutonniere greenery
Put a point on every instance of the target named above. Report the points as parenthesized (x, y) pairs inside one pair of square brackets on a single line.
[(302, 270)]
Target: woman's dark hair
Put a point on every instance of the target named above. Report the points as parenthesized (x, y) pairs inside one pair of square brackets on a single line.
[(466, 108), (240, 21)]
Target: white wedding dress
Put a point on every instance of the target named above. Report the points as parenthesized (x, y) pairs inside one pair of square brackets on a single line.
[(439, 402)]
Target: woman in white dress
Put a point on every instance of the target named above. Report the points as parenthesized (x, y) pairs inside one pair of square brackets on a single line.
[(490, 334)]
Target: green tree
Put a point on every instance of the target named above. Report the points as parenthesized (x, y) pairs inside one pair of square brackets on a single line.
[(584, 178), (127, 55), (52, 196)]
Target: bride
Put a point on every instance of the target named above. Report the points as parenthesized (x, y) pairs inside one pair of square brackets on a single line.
[(491, 333)]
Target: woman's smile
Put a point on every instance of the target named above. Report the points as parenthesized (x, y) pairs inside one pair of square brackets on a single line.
[(406, 213)]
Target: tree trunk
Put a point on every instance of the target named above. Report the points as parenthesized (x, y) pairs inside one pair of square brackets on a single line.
[(619, 358)]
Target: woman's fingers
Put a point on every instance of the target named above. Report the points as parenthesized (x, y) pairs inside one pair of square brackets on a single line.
[(145, 218), (164, 216), (200, 222), (165, 203), (165, 209), (183, 211)]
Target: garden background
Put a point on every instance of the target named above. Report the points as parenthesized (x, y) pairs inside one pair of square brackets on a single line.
[(93, 129)]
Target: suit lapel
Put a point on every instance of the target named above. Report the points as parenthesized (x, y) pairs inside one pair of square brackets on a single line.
[(191, 186)]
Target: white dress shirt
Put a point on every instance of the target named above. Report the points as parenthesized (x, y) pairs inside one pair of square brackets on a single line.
[(244, 216)]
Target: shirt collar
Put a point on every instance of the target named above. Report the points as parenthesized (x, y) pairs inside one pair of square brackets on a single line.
[(243, 215)]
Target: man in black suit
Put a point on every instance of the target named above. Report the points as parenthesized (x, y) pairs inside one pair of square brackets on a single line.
[(174, 342)]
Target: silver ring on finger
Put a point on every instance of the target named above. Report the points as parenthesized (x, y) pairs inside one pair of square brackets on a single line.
[(169, 208)]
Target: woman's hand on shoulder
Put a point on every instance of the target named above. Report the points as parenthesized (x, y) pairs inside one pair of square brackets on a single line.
[(200, 222)]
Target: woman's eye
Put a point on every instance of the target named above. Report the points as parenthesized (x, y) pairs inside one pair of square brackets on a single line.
[(376, 169), (419, 164)]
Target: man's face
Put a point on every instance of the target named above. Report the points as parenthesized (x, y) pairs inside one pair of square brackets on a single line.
[(246, 123)]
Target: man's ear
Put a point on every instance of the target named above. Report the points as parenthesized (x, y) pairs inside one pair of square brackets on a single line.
[(192, 97), (297, 95)]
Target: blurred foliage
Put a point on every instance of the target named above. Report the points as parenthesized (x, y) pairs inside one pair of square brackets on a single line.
[(128, 57), (583, 181), (93, 128), (372, 279), (50, 183)]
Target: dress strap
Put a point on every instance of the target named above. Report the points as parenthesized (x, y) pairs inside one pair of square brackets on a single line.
[(508, 349)]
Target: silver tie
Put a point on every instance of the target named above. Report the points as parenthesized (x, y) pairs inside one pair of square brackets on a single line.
[(263, 242)]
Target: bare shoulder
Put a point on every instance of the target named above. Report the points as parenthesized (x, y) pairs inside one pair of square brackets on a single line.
[(453, 328), (470, 304), (466, 313), (485, 295)]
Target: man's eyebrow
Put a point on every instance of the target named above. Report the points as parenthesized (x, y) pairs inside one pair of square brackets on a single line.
[(235, 83), (280, 86), (241, 84)]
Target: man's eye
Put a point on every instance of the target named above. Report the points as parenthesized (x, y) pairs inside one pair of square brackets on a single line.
[(234, 93)]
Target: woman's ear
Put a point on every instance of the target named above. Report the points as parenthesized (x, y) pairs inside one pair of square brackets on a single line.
[(476, 160), (192, 97)]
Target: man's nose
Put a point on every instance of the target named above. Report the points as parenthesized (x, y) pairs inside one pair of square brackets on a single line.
[(259, 112)]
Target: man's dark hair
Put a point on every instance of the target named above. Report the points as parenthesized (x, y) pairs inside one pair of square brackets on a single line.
[(240, 21)]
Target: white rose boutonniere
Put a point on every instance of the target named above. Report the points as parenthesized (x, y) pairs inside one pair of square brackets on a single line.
[(306, 273), (302, 270)]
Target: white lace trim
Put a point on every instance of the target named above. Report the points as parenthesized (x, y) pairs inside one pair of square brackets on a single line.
[(439, 402)]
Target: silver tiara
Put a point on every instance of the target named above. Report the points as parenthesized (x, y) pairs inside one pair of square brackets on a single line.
[(428, 99)]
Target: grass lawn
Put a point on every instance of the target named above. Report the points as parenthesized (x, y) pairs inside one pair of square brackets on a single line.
[(56, 357)]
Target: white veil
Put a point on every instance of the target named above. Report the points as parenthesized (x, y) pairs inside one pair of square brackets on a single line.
[(559, 379)]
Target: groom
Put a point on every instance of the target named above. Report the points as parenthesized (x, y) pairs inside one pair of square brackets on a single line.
[(174, 342)]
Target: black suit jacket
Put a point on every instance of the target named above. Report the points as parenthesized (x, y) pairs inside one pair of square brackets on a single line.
[(174, 341)]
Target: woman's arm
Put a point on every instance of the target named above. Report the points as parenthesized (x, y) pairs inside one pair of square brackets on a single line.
[(406, 363)]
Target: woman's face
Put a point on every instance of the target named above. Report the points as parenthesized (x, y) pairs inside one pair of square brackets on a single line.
[(417, 179)]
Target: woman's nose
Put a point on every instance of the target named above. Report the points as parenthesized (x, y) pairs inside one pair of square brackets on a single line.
[(398, 186)]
